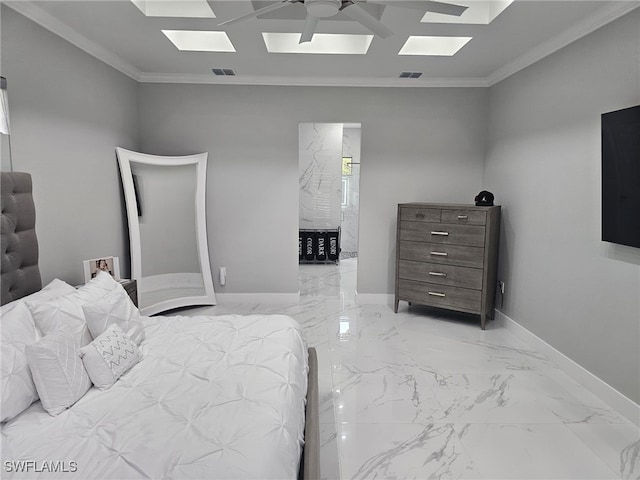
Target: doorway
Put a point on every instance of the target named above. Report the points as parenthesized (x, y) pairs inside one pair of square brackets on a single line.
[(329, 180), (350, 206)]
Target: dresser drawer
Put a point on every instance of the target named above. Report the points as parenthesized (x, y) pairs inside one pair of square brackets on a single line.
[(441, 274), (419, 214), (442, 254), (440, 295), (464, 217), (443, 233)]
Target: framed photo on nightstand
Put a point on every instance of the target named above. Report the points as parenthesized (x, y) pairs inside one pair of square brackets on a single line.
[(110, 265)]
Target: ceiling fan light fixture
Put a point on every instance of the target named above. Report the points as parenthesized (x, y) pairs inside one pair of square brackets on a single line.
[(323, 8)]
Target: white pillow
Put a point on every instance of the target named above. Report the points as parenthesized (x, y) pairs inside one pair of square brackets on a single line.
[(66, 311), (58, 372), (61, 313), (114, 307), (55, 288), (97, 286), (17, 388), (109, 356)]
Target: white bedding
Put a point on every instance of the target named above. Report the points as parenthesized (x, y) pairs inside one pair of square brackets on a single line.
[(213, 397)]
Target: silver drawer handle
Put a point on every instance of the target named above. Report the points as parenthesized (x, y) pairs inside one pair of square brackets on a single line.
[(444, 234), (437, 274), (437, 294), (462, 217), (439, 254)]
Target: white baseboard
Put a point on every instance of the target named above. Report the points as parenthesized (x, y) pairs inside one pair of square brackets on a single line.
[(268, 298), (374, 299), (596, 385)]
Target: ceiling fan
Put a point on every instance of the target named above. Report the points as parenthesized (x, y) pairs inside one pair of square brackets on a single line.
[(319, 9)]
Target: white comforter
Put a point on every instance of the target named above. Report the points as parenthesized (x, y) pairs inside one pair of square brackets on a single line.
[(214, 397)]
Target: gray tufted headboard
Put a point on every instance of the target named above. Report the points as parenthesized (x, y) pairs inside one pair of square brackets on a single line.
[(19, 265)]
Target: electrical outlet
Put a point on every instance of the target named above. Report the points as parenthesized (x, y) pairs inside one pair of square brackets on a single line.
[(223, 275)]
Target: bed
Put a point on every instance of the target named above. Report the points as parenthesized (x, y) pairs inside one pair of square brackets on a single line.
[(225, 396)]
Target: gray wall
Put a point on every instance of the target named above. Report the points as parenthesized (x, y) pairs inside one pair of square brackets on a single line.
[(68, 113), (419, 145), (563, 283)]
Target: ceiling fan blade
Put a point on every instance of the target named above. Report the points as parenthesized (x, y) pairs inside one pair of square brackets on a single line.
[(425, 6), (445, 8), (309, 29), (260, 11), (360, 15)]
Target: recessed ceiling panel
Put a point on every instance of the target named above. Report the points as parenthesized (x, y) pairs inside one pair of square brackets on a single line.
[(436, 46), (200, 41), (172, 8), (116, 32), (322, 43), (479, 12)]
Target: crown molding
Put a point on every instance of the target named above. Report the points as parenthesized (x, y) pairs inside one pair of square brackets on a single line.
[(599, 19), (42, 18), (311, 81)]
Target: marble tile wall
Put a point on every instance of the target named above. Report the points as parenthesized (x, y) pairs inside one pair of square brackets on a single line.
[(320, 175)]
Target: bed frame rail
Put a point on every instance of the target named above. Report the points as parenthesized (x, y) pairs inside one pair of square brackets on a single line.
[(310, 463)]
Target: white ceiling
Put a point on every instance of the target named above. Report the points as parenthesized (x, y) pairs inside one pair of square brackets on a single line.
[(118, 33)]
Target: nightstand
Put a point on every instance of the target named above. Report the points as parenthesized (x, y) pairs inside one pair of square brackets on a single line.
[(131, 287)]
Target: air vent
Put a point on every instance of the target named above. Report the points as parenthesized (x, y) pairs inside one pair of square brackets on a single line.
[(224, 72), (410, 74)]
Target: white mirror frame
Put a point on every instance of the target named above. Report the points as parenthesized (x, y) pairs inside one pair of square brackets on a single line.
[(125, 158)]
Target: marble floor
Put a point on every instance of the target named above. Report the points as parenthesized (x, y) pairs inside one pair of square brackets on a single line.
[(423, 394)]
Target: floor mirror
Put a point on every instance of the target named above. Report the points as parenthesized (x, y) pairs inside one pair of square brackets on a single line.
[(165, 204)]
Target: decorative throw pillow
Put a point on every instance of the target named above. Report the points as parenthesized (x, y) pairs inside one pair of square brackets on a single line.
[(109, 356), (58, 372), (17, 390), (114, 307)]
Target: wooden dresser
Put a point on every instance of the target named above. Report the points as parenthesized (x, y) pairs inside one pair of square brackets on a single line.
[(447, 257)]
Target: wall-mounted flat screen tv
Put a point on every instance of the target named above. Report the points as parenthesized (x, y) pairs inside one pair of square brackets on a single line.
[(621, 177)]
